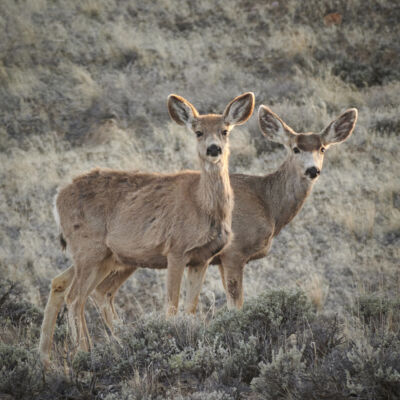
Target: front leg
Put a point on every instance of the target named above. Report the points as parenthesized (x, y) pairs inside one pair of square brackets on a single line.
[(195, 281), (176, 266), (233, 282)]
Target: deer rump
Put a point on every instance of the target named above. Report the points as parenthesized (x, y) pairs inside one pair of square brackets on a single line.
[(137, 218)]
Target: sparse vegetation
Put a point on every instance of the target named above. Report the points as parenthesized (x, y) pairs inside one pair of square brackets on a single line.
[(73, 76), (277, 346)]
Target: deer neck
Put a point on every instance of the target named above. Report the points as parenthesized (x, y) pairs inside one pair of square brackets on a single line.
[(214, 193), (285, 194)]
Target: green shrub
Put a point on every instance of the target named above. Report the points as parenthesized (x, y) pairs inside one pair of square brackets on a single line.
[(236, 341), (152, 341), (20, 372), (267, 317), (81, 362), (214, 395), (378, 312), (375, 369), (328, 366), (228, 351), (199, 362), (18, 312), (324, 335), (276, 347), (250, 335), (281, 376)]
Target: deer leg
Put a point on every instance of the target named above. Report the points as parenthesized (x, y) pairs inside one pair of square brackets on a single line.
[(233, 277), (105, 292), (176, 266), (221, 272), (195, 281), (83, 283), (56, 299)]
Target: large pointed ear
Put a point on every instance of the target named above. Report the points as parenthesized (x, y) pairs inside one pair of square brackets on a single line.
[(180, 110), (340, 129), (240, 109), (273, 127)]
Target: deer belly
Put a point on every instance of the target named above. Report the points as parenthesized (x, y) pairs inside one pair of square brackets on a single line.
[(154, 261), (137, 253)]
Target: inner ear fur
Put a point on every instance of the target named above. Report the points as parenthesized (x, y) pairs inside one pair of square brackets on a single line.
[(181, 110), (240, 109), (272, 127), (341, 128)]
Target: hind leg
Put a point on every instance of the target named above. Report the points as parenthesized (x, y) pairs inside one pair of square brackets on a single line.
[(221, 272), (56, 299), (105, 292), (85, 280)]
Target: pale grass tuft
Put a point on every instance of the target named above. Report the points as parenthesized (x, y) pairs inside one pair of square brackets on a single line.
[(359, 218), (104, 133), (316, 290), (292, 41)]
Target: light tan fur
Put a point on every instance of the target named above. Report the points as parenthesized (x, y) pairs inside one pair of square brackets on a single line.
[(263, 204), (117, 221)]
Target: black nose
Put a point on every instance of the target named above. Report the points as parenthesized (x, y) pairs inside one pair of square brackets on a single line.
[(213, 150), (313, 172)]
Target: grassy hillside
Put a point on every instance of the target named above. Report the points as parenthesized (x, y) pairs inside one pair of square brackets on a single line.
[(84, 84)]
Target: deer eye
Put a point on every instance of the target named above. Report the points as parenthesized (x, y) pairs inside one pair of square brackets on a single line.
[(199, 133), (323, 149), (224, 132), (296, 150)]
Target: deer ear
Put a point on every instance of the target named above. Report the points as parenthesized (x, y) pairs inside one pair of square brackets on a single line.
[(273, 127), (240, 109), (180, 110), (341, 128)]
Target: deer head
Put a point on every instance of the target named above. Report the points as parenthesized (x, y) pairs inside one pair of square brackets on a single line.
[(307, 150), (212, 130)]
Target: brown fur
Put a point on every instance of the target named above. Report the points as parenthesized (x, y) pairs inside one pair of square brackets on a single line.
[(309, 142), (263, 206), (118, 221)]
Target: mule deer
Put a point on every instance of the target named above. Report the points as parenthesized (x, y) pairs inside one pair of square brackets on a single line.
[(263, 206), (112, 220)]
